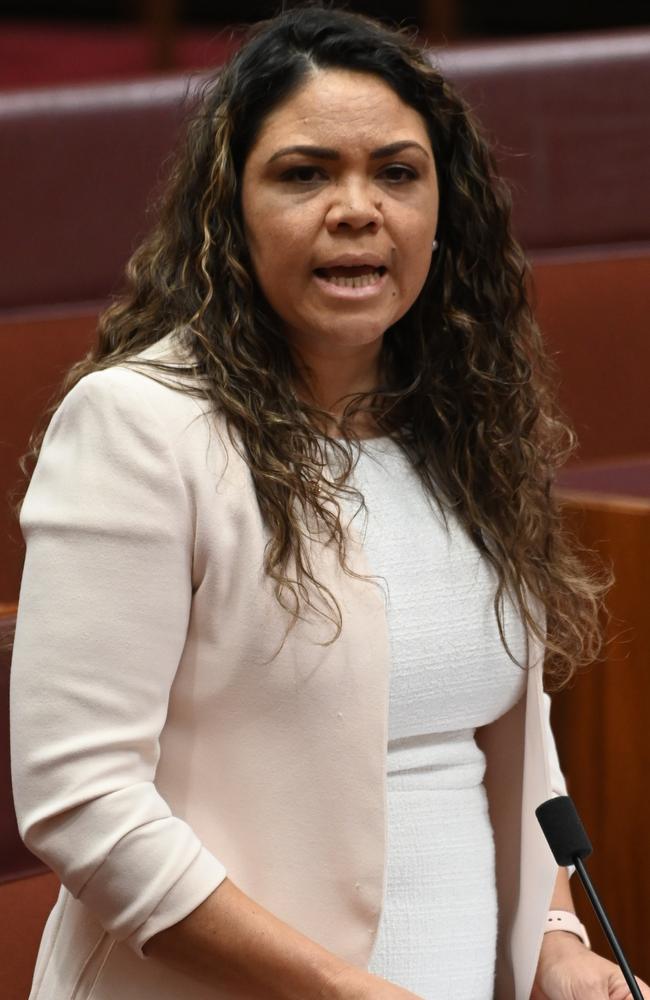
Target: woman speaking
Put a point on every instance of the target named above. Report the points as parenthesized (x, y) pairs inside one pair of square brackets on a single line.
[(294, 568)]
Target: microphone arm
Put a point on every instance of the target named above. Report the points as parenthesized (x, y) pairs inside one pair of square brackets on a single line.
[(569, 843), (607, 928)]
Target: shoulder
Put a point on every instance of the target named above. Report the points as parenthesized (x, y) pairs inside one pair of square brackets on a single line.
[(135, 406), (149, 404), (155, 389), (159, 376), (159, 369)]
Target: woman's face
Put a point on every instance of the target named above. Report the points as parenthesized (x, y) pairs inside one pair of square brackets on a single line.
[(349, 205)]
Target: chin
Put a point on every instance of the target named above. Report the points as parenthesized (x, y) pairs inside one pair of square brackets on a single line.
[(353, 331), (339, 332), (352, 341)]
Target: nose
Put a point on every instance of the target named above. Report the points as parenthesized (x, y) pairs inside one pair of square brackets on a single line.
[(354, 205)]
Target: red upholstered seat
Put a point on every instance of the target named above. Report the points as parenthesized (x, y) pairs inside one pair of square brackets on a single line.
[(569, 114)]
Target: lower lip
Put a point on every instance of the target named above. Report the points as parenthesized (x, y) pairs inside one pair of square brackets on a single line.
[(343, 292)]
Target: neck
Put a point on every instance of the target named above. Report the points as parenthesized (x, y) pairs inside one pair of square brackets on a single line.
[(330, 381)]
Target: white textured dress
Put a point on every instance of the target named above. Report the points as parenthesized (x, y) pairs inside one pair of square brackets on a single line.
[(449, 675)]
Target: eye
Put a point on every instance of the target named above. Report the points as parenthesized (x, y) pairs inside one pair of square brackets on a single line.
[(395, 174), (298, 174), (410, 175)]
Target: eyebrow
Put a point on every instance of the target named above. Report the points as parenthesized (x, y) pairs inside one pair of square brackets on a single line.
[(325, 153)]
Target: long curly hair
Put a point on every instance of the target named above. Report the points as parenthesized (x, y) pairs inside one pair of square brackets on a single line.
[(467, 386)]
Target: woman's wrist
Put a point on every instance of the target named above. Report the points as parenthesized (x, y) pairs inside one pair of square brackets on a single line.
[(557, 945), (567, 920), (557, 948)]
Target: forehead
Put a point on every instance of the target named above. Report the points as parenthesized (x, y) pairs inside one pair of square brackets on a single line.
[(343, 104)]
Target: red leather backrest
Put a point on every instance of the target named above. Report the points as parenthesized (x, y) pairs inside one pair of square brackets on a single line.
[(570, 115), (79, 164), (570, 118)]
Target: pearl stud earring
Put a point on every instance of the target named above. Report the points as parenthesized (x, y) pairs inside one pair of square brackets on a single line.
[(435, 245)]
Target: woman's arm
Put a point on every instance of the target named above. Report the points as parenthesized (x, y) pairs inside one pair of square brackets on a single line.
[(562, 899), (567, 970), (232, 941), (103, 615), (102, 622)]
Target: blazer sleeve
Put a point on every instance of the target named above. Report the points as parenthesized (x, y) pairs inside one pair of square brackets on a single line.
[(556, 776), (558, 782), (102, 619)]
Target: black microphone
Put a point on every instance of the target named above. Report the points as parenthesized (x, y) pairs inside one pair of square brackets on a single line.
[(569, 843)]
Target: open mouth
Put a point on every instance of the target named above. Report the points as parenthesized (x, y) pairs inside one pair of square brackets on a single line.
[(351, 277)]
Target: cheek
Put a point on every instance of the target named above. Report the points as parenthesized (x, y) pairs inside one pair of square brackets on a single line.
[(280, 262), (281, 238), (414, 254)]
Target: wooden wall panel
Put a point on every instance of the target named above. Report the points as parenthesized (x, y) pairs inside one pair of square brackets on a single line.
[(595, 315), (36, 352), (602, 725), (24, 908)]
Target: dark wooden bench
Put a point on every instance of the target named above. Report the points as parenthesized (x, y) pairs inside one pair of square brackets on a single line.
[(601, 722)]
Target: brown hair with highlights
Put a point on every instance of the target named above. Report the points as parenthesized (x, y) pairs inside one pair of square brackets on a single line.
[(467, 386)]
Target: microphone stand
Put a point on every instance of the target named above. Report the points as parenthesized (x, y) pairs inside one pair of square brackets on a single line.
[(607, 928)]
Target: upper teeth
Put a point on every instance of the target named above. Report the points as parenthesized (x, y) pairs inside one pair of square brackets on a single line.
[(360, 282)]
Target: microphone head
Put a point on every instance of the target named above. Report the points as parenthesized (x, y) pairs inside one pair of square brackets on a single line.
[(563, 830)]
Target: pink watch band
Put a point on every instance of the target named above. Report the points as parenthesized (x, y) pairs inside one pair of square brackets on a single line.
[(564, 920)]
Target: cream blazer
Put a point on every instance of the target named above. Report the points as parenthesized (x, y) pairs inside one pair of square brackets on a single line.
[(157, 742)]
